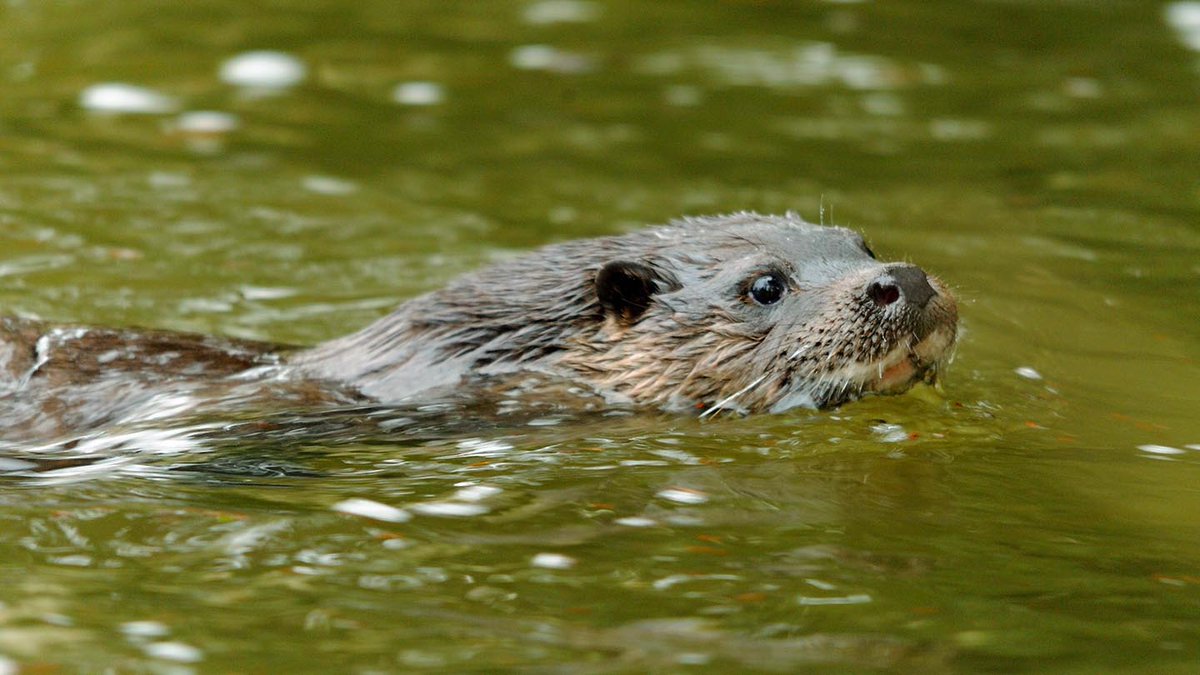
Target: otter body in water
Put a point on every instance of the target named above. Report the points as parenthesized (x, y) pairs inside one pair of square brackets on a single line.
[(747, 312), (762, 313)]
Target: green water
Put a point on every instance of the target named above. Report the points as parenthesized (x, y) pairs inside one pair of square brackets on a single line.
[(1039, 156)]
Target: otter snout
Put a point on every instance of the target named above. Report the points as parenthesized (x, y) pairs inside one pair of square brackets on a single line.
[(901, 281)]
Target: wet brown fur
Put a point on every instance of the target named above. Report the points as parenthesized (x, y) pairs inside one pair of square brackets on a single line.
[(696, 340), (660, 317)]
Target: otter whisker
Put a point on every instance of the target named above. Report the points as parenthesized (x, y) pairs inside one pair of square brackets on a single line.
[(732, 397)]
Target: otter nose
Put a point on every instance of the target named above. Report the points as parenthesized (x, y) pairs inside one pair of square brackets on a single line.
[(901, 281)]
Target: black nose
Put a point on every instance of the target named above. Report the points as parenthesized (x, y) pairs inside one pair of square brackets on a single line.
[(901, 281)]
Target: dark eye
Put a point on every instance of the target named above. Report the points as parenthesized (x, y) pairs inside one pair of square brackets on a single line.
[(767, 289)]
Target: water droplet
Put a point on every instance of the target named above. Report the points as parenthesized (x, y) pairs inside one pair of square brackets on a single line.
[(561, 11), (174, 651), (549, 59), (1184, 17), (328, 185), (146, 629), (554, 561), (1160, 449), (118, 98), (418, 93), (265, 292), (263, 70), (207, 122)]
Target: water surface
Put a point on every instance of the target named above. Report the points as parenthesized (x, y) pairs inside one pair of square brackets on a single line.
[(1039, 512)]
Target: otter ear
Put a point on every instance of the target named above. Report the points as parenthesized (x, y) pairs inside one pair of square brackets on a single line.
[(624, 288)]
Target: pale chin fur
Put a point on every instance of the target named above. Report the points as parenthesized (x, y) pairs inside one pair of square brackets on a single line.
[(897, 371)]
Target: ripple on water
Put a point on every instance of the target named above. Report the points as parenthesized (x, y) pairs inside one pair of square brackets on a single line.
[(1160, 449), (682, 495), (475, 493), (636, 521), (482, 447), (676, 579), (890, 433), (808, 64), (854, 599), (372, 509), (450, 509)]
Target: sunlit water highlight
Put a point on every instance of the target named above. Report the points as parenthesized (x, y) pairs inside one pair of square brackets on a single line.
[(1037, 512)]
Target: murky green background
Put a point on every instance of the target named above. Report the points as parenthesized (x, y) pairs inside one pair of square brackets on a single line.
[(1041, 513)]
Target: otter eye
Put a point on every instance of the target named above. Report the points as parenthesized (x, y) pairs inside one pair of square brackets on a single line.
[(767, 289)]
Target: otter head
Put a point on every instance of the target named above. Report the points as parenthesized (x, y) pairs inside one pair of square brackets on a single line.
[(759, 313), (744, 312)]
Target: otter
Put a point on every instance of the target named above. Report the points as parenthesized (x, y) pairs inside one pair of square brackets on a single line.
[(744, 312)]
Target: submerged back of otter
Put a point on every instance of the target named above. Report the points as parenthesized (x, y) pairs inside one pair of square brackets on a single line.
[(744, 311)]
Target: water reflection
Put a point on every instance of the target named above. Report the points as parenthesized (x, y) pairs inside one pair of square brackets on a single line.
[(550, 59), (806, 65), (546, 12), (1039, 155), (117, 97), (1184, 17), (263, 72), (418, 93)]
